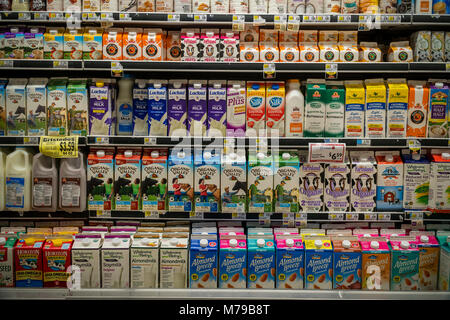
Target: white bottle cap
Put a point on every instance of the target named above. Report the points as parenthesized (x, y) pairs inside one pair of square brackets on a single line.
[(181, 154), (203, 243), (115, 242), (233, 243), (346, 244), (233, 156), (207, 155), (157, 85), (92, 31), (128, 154), (236, 86), (155, 154), (260, 243), (204, 233), (389, 158), (424, 239), (446, 156), (363, 158), (404, 244), (260, 156), (85, 242), (217, 85), (100, 154), (2, 241), (394, 235), (416, 156), (290, 242), (145, 241), (374, 244), (177, 84), (286, 156), (438, 84), (173, 241), (34, 30), (197, 85), (260, 233), (318, 243)]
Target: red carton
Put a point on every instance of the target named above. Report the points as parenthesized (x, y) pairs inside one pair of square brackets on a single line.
[(57, 259)]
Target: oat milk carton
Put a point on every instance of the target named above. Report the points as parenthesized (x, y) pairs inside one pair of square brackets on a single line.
[(77, 107), (157, 108), (7, 243), (428, 260), (318, 262), (311, 184), (100, 179), (375, 108), (28, 268), (234, 181), (261, 262), (337, 186), (206, 181), (144, 261), (173, 261), (56, 260), (86, 257), (203, 260), (376, 263), (347, 262), (444, 260), (364, 181), (127, 173), (236, 115), (177, 108), (397, 108), (275, 108), (197, 107), (405, 263), (57, 107), (354, 109), (260, 182), (217, 108), (256, 108), (334, 109), (16, 107), (389, 181), (154, 180), (290, 267), (315, 108), (419, 96), (37, 106), (286, 177), (416, 181), (439, 192), (115, 261), (180, 175), (233, 262), (437, 115)]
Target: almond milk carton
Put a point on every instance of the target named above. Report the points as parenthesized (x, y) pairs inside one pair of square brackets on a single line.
[(444, 260), (127, 179), (439, 193), (256, 108), (419, 95), (7, 243), (375, 108), (260, 182), (354, 109), (203, 261), (261, 261), (286, 177), (86, 258), (115, 261), (154, 180), (405, 263), (206, 181), (311, 184), (318, 262), (233, 262), (234, 182), (144, 261), (290, 264), (376, 263), (389, 181), (347, 262), (337, 186), (173, 261), (428, 259), (397, 106), (364, 181)]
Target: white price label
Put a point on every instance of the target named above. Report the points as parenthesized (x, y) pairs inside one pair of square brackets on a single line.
[(107, 16), (91, 16), (173, 17), (384, 217), (414, 146), (336, 216), (288, 216), (323, 18), (416, 215), (101, 140), (370, 216), (279, 23), (151, 214), (196, 215), (352, 216), (55, 16), (6, 63), (345, 18), (60, 64), (124, 16), (269, 71), (326, 152), (363, 142), (150, 141), (293, 23), (331, 71), (309, 18), (40, 16), (116, 69), (447, 68), (31, 140), (238, 216), (258, 20), (238, 23), (24, 16), (104, 213), (200, 17), (391, 18)]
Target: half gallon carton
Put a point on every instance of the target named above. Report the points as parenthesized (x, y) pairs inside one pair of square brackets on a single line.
[(354, 109), (206, 181), (93, 44), (132, 44), (28, 268), (154, 180), (389, 181), (261, 262), (428, 260), (347, 262), (376, 263), (73, 44), (16, 107), (397, 108), (3, 84), (181, 181), (100, 179), (54, 43), (57, 106), (101, 108), (256, 108), (157, 107), (37, 106), (260, 182), (318, 263), (334, 109), (33, 43), (416, 181), (405, 263), (7, 243), (337, 186), (153, 47), (177, 108), (286, 177), (127, 182), (419, 96), (197, 108), (115, 261), (439, 193), (77, 107), (275, 108), (236, 115), (112, 44), (144, 261), (86, 258), (234, 182), (444, 260), (140, 108), (57, 260), (438, 113), (290, 264), (173, 261), (315, 108), (364, 181), (217, 108), (233, 262), (203, 261), (375, 108), (311, 184)]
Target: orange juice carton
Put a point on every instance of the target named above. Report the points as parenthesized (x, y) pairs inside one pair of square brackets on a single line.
[(405, 263), (388, 233), (91, 5), (400, 51), (56, 260), (309, 52), (347, 262), (444, 260), (220, 6), (261, 261), (230, 45), (369, 52), (115, 261), (93, 44), (146, 6), (249, 52), (289, 52), (275, 108), (375, 108), (73, 44), (428, 260), (250, 34), (439, 194), (172, 45), (268, 35), (190, 45), (28, 258), (364, 181), (389, 181), (201, 6), (329, 52), (416, 181), (421, 44), (397, 108), (127, 179), (203, 259), (290, 264), (438, 111), (239, 6), (54, 43), (318, 262), (112, 44), (153, 47), (132, 44), (416, 125), (127, 5), (109, 5), (7, 243), (269, 52), (437, 46), (288, 36), (164, 6), (233, 261), (256, 108), (311, 184), (153, 190), (86, 257), (210, 39), (376, 263)]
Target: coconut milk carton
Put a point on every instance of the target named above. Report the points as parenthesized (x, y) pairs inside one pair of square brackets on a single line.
[(86, 257), (397, 108), (157, 107), (419, 96), (140, 108), (389, 181), (405, 263), (101, 108), (318, 262), (354, 109), (347, 262), (203, 261), (28, 267), (311, 184), (439, 195), (177, 108), (438, 114), (286, 177), (144, 261), (275, 108), (180, 175), (375, 108), (154, 180), (217, 108), (115, 261), (16, 107), (233, 262), (206, 181), (428, 259), (236, 115), (234, 182), (260, 182), (127, 166), (364, 181), (335, 109), (173, 261), (77, 107), (37, 106), (7, 243), (197, 108), (337, 186), (416, 181), (444, 260), (376, 263), (315, 108), (290, 267), (57, 106), (261, 262), (100, 179), (256, 108)]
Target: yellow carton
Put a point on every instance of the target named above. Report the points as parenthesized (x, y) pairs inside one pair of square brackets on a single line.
[(375, 108), (397, 108), (355, 98)]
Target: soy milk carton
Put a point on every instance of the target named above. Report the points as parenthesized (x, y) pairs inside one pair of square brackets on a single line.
[(157, 108), (261, 262), (233, 262), (57, 106), (203, 261), (364, 181), (318, 263), (77, 107), (397, 108), (86, 257), (127, 166), (405, 263), (173, 261), (315, 108), (416, 181), (236, 116), (428, 259), (154, 180), (439, 194), (197, 108), (290, 264), (37, 106), (100, 179), (311, 184), (206, 181), (56, 261), (260, 182), (7, 243), (389, 181), (144, 261), (375, 108), (354, 109), (419, 96), (347, 262), (334, 109), (181, 181), (177, 108), (376, 263), (115, 261), (275, 108), (256, 108), (16, 107), (286, 177), (217, 108), (438, 114), (28, 268), (234, 182), (337, 186)]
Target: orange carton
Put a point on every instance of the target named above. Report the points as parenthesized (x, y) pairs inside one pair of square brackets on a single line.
[(308, 36), (132, 44), (268, 35), (417, 110), (249, 52), (376, 263), (288, 36), (153, 45), (309, 52), (146, 6), (269, 52), (173, 46), (289, 52), (112, 44)]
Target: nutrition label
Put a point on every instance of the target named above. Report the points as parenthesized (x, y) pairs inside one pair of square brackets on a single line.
[(70, 192), (42, 192), (15, 192)]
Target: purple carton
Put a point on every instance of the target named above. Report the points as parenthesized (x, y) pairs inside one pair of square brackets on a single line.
[(236, 101), (197, 108), (100, 108), (217, 108), (177, 108)]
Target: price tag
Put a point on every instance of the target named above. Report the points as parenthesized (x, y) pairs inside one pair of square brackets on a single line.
[(447, 68), (326, 152), (416, 215), (124, 16), (55, 16), (60, 64), (92, 16), (238, 22), (369, 22), (269, 71), (238, 216), (102, 140), (150, 141), (363, 142), (196, 215), (200, 17), (414, 146), (293, 23), (6, 63), (258, 20), (336, 216), (108, 16), (59, 147), (344, 18), (301, 219), (370, 216), (279, 23), (331, 71), (288, 219), (31, 140), (173, 17), (352, 216), (323, 18), (391, 18), (104, 214), (264, 218), (116, 69), (151, 214), (384, 217), (24, 16), (309, 18), (40, 16)]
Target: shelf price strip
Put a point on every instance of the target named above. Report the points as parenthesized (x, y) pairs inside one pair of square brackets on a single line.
[(370, 216), (336, 216), (264, 218), (279, 23), (59, 147), (352, 216), (173, 17), (103, 214), (288, 219), (384, 217), (151, 214), (238, 22), (196, 215), (293, 23), (301, 219), (238, 216)]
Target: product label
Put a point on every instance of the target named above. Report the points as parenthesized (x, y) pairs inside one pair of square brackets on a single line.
[(42, 192), (173, 268), (233, 268), (15, 192), (144, 267), (318, 269), (347, 270), (203, 266), (261, 266), (70, 192), (290, 267)]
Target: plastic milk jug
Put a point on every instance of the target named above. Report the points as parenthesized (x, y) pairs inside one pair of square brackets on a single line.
[(72, 184), (18, 180), (295, 109), (44, 183)]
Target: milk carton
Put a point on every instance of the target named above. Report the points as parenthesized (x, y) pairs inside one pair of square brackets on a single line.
[(77, 105), (416, 181), (190, 45), (33, 43), (28, 268), (210, 39), (311, 184), (376, 263), (112, 44), (389, 181), (405, 263), (57, 106), (100, 179), (173, 261), (286, 177), (439, 193), (337, 186), (3, 83), (275, 108), (256, 108), (236, 116), (56, 261), (7, 243), (54, 43), (444, 260), (233, 262), (154, 180), (347, 262), (177, 108), (132, 43), (153, 47), (86, 257), (318, 263), (260, 182), (197, 108), (115, 261), (397, 106), (127, 166), (37, 106), (354, 109), (375, 108), (93, 44), (217, 108), (203, 260), (16, 107), (144, 261), (234, 182), (157, 107), (100, 108), (73, 44), (181, 181), (437, 115), (290, 267), (419, 96), (364, 181), (334, 109), (428, 259), (206, 181), (315, 108), (140, 108), (261, 262)]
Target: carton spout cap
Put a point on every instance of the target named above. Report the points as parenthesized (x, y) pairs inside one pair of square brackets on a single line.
[(394, 235), (207, 155), (85, 242), (115, 242), (128, 154), (232, 233), (389, 158), (367, 235), (424, 239), (374, 244), (233, 243), (404, 244), (177, 84), (100, 153), (438, 84), (173, 241), (446, 156), (233, 156), (260, 243), (181, 154), (318, 243), (217, 85), (346, 244), (155, 154), (255, 86), (260, 156), (203, 243), (290, 242), (286, 156)]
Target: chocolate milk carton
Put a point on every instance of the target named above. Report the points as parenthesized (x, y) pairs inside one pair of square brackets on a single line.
[(389, 181), (154, 180), (364, 181), (376, 263), (37, 106), (86, 257), (100, 179), (234, 181), (180, 176), (7, 243), (203, 261), (233, 262), (261, 262), (197, 108), (173, 261), (416, 181), (290, 267), (286, 177), (115, 261), (206, 181), (311, 184), (127, 182), (144, 261), (318, 262), (405, 263), (177, 108), (217, 108), (260, 182), (347, 262), (236, 115), (428, 259), (337, 186)]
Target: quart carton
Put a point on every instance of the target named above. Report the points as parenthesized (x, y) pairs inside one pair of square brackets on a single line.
[(376, 263), (93, 44), (16, 107), (144, 261), (234, 182), (318, 262), (249, 52), (260, 182), (354, 109), (100, 179), (405, 263), (309, 52), (37, 106), (375, 108), (334, 109), (439, 192), (416, 181), (33, 43), (115, 261), (315, 108), (230, 45), (112, 44), (289, 52), (261, 262), (389, 181), (56, 260), (421, 43), (157, 107), (153, 46), (77, 107), (311, 184), (217, 108), (364, 181), (73, 44), (428, 260), (7, 243), (154, 180), (286, 177), (236, 102), (127, 182), (419, 96), (173, 261), (181, 181), (444, 260), (275, 108), (54, 43), (28, 267), (132, 44), (256, 108), (57, 107), (388, 233), (347, 262), (397, 108), (290, 264), (233, 262), (177, 108), (206, 181), (203, 261), (86, 257), (197, 107), (269, 52), (101, 108), (438, 114), (190, 45), (173, 46), (337, 186), (210, 39)]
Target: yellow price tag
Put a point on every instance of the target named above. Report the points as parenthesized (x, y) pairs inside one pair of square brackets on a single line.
[(59, 147)]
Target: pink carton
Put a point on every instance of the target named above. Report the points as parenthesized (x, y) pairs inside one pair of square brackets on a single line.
[(376, 263), (365, 233), (233, 262), (210, 40), (290, 267), (190, 45), (230, 46), (428, 260), (388, 233)]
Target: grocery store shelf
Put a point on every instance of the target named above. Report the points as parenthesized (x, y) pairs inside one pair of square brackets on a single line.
[(29, 141)]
